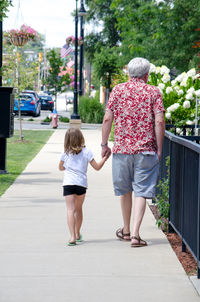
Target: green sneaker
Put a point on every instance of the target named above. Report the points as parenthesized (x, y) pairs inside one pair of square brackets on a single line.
[(80, 239), (71, 243)]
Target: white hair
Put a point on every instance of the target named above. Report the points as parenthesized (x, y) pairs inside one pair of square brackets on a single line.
[(138, 67)]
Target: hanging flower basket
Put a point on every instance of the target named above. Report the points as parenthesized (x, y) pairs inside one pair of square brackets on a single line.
[(19, 37), (71, 40), (18, 41)]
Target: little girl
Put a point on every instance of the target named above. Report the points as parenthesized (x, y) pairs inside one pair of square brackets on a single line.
[(74, 161)]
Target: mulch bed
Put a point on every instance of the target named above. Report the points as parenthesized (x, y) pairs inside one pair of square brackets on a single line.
[(188, 262)]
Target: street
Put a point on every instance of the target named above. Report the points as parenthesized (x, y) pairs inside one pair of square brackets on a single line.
[(36, 123), (31, 123)]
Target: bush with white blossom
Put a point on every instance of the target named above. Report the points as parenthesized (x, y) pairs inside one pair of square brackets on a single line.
[(179, 95)]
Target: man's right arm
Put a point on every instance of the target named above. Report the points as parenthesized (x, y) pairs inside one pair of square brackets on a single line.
[(159, 131), (106, 128)]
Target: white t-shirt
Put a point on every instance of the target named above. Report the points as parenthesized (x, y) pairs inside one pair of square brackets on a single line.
[(76, 167)]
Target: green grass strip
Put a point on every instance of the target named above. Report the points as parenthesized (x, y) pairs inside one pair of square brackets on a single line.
[(19, 154)]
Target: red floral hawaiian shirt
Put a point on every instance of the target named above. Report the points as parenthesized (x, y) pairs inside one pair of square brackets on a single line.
[(134, 105)]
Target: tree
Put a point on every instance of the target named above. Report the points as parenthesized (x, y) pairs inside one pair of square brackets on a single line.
[(177, 32), (105, 66), (55, 80), (100, 11), (162, 31), (4, 4)]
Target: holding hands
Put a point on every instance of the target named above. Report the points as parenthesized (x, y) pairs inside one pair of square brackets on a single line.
[(105, 151)]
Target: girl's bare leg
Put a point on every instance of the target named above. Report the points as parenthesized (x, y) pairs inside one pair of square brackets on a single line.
[(78, 214), (70, 202)]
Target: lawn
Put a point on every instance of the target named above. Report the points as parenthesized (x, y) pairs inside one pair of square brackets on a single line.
[(20, 154)]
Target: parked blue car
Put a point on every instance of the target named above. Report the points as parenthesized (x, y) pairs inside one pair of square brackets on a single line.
[(29, 105), (46, 102)]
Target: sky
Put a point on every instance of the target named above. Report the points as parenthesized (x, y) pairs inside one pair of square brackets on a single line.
[(49, 17)]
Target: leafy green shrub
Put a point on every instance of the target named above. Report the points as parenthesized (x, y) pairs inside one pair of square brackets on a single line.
[(91, 110), (162, 199), (64, 119), (47, 120)]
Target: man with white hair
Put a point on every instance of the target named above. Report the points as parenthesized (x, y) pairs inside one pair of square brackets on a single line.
[(138, 114)]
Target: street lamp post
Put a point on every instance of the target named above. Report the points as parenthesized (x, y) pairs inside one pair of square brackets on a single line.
[(75, 115), (82, 13)]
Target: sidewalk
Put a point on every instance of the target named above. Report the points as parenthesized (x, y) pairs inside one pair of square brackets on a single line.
[(37, 266)]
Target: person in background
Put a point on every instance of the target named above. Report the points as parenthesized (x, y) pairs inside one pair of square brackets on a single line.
[(138, 114)]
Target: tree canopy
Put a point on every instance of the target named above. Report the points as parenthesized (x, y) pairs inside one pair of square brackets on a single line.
[(4, 4), (54, 80), (162, 31)]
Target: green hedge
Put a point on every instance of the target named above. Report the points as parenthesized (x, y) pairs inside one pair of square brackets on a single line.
[(91, 110)]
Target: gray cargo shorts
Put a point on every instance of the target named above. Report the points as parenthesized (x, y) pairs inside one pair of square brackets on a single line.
[(135, 172)]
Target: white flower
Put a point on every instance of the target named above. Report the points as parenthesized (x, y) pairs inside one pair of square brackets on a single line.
[(197, 93), (166, 78), (196, 76), (186, 104), (161, 86), (188, 122), (152, 68), (157, 70), (180, 92), (173, 82), (178, 130), (191, 90), (180, 77), (191, 72), (177, 88), (189, 96), (184, 82), (164, 70), (168, 90), (168, 115), (173, 107)]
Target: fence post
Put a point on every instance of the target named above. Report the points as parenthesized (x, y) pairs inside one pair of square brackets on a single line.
[(170, 229), (182, 201)]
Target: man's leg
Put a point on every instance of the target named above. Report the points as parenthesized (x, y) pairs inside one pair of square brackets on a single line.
[(126, 206), (138, 214)]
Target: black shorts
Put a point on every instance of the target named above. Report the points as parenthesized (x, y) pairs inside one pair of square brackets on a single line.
[(70, 190)]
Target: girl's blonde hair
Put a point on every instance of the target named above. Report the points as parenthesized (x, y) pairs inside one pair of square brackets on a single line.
[(74, 141)]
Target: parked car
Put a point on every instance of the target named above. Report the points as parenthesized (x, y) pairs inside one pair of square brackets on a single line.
[(46, 102), (28, 105), (69, 99), (31, 92)]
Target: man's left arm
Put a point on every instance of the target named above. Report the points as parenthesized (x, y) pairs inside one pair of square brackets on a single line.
[(159, 131)]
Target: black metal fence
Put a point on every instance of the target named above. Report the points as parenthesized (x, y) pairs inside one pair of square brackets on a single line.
[(184, 189)]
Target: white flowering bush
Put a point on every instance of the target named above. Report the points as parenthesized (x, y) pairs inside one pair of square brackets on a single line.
[(179, 95)]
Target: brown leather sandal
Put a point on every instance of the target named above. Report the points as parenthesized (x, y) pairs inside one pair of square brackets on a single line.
[(121, 235), (140, 242)]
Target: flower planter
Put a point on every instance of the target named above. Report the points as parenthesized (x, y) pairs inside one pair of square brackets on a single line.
[(19, 37), (18, 41)]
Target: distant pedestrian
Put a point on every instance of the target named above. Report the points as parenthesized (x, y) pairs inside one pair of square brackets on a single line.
[(138, 113), (74, 162)]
